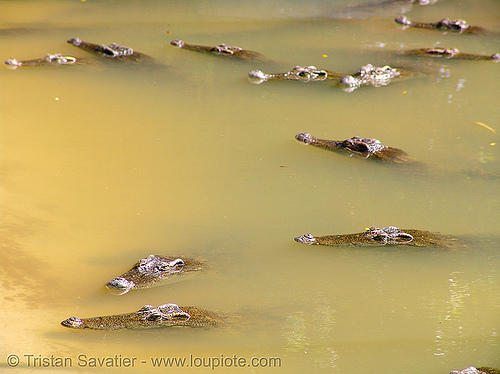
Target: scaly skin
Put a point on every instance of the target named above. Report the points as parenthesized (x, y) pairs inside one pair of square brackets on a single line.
[(221, 50), (488, 370), (113, 52), (459, 26), (154, 270), (449, 53), (375, 237), (479, 370), (167, 315), (48, 60), (362, 147)]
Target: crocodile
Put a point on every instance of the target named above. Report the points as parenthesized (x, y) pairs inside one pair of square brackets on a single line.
[(362, 147), (152, 271), (298, 73), (373, 149), (221, 50), (113, 52), (376, 236), (479, 370), (459, 26), (149, 316), (48, 60), (449, 53)]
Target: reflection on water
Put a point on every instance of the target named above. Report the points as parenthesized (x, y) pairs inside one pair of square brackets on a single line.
[(451, 321), (453, 335), (104, 164), (298, 327), (29, 282)]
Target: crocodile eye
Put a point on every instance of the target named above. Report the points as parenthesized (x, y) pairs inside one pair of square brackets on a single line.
[(108, 51), (358, 146), (173, 311), (402, 238)]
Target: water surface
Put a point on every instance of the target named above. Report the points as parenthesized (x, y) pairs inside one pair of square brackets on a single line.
[(104, 164)]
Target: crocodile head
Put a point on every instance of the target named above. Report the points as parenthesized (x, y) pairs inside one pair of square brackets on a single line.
[(73, 322), (75, 41), (12, 63), (403, 20), (305, 137), (177, 43), (257, 77), (151, 266), (306, 239), (120, 284)]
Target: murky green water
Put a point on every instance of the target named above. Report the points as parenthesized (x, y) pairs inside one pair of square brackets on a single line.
[(102, 165)]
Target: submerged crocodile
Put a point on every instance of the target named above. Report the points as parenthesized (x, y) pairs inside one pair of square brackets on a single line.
[(221, 50), (459, 26), (298, 73), (376, 236), (152, 271), (373, 149), (48, 60), (449, 53), (113, 52), (166, 315), (362, 147), (479, 370)]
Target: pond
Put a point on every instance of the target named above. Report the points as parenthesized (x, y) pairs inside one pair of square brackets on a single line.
[(104, 164)]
